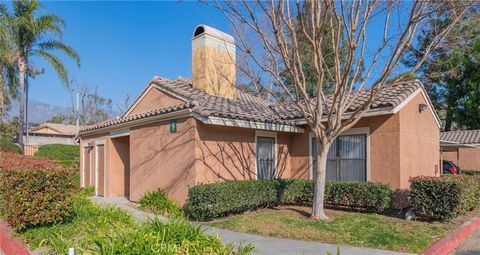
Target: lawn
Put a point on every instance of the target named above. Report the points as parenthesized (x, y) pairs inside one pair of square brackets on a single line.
[(107, 230), (349, 228)]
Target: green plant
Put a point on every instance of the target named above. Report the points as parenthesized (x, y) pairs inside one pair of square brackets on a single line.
[(354, 195), (95, 229), (9, 146), (443, 198), (471, 172), (65, 154), (157, 202), (32, 197), (206, 201)]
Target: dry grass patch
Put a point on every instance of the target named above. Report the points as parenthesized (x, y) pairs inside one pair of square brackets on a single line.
[(349, 228)]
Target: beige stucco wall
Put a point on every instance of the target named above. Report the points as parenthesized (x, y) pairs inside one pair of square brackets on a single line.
[(419, 142), (228, 153), (154, 99), (160, 159), (465, 158)]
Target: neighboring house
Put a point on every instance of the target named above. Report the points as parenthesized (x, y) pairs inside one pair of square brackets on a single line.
[(462, 148), (48, 133), (182, 132)]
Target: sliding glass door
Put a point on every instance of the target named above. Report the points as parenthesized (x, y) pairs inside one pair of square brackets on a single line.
[(346, 160)]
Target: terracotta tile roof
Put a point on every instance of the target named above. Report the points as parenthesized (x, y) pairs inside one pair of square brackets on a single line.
[(461, 137), (250, 107), (156, 112), (390, 97)]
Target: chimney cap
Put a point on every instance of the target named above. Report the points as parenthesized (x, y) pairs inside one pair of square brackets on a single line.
[(204, 29)]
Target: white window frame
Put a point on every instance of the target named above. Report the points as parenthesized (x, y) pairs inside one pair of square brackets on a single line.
[(259, 133), (352, 131), (97, 144)]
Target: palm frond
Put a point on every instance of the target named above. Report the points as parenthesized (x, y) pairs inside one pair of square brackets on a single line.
[(49, 23), (55, 62), (57, 45)]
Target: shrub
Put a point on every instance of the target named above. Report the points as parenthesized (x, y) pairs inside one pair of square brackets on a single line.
[(10, 160), (206, 201), (471, 172), (354, 195), (31, 197), (65, 154), (375, 197), (157, 202), (9, 146), (443, 198)]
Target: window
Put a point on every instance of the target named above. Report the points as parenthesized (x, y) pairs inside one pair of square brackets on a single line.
[(265, 158), (346, 160)]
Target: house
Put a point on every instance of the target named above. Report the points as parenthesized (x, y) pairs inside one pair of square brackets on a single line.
[(48, 133), (182, 132), (462, 148)]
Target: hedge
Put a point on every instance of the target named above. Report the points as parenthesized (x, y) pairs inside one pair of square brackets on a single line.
[(443, 198), (9, 146), (65, 154), (208, 201), (471, 172), (32, 197)]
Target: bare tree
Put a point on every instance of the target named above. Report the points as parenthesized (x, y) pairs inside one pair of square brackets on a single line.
[(358, 64), (93, 107), (123, 104)]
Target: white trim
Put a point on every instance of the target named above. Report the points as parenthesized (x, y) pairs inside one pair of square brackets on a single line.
[(248, 124), (98, 144), (259, 133), (120, 133), (139, 122), (406, 101), (352, 131)]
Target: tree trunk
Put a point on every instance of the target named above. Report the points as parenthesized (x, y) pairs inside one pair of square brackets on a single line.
[(21, 114), (22, 68), (448, 119), (318, 211)]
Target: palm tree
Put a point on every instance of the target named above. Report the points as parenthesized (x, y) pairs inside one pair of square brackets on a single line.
[(36, 36), (8, 72)]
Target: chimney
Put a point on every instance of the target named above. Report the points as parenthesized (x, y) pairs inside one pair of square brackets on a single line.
[(213, 62)]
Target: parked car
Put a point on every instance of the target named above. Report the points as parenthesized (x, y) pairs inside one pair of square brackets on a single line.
[(450, 168)]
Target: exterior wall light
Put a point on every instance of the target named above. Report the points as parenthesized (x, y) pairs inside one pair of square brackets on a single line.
[(422, 107)]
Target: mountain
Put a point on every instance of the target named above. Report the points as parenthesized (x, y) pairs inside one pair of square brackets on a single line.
[(39, 112)]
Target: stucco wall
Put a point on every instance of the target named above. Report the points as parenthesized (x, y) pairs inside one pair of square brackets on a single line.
[(419, 142), (227, 153), (467, 158), (160, 159), (154, 99)]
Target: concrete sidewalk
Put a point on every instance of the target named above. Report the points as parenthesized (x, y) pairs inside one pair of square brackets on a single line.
[(263, 244), (469, 246)]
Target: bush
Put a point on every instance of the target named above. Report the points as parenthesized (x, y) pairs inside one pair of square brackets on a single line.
[(443, 198), (65, 154), (206, 201), (354, 195), (32, 197), (157, 202), (10, 160), (9, 146), (471, 172)]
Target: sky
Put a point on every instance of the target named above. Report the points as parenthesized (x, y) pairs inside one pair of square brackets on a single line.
[(123, 45)]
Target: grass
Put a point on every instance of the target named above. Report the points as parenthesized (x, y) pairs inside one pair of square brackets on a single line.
[(349, 228), (108, 230)]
